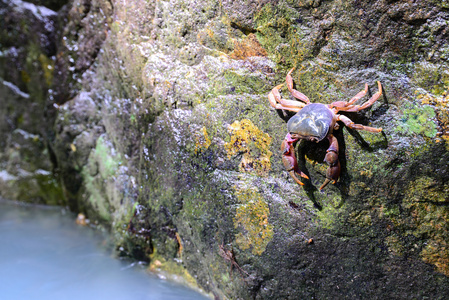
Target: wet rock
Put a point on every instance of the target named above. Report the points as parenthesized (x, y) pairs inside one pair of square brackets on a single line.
[(164, 135), (27, 50)]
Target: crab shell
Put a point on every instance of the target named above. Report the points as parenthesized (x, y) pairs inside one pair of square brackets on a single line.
[(313, 122)]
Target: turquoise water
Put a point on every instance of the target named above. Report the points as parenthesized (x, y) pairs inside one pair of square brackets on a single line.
[(45, 255)]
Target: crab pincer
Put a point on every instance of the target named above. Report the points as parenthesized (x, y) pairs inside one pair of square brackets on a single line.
[(289, 159), (331, 158)]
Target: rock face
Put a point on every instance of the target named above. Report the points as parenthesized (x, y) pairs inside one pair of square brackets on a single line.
[(27, 50), (155, 123)]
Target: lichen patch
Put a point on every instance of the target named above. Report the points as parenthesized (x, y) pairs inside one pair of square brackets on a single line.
[(253, 144), (441, 103), (248, 47), (202, 140), (252, 217)]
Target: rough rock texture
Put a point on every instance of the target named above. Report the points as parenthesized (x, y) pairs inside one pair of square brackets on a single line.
[(164, 134), (27, 54)]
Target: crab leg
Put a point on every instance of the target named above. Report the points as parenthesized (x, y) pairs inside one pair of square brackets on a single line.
[(289, 159), (331, 158), (277, 102), (359, 95), (348, 122), (340, 105), (295, 93), (355, 108)]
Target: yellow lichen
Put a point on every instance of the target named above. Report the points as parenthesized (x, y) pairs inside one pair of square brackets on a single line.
[(171, 269), (437, 253), (366, 170), (202, 140), (252, 216), (180, 248), (253, 144), (249, 46)]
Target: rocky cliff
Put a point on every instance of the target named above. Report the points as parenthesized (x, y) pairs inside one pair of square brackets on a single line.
[(152, 118)]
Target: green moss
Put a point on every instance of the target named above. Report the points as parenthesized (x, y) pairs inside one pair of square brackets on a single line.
[(431, 77), (102, 167), (363, 168), (419, 120), (441, 104), (96, 197), (317, 83), (50, 190), (392, 212), (195, 207), (425, 200), (245, 83), (40, 188), (107, 163), (331, 213), (281, 36), (115, 27), (133, 119), (397, 65)]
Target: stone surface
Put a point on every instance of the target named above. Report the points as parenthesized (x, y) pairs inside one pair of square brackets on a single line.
[(163, 134), (27, 51)]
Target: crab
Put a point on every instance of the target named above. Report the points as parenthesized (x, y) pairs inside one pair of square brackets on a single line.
[(314, 122)]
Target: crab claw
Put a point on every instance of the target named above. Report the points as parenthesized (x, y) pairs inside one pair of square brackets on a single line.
[(289, 159), (333, 171), (331, 158)]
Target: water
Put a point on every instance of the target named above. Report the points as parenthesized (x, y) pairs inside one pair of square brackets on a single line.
[(45, 255)]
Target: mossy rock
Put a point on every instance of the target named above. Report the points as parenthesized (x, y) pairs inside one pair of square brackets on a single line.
[(170, 142)]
